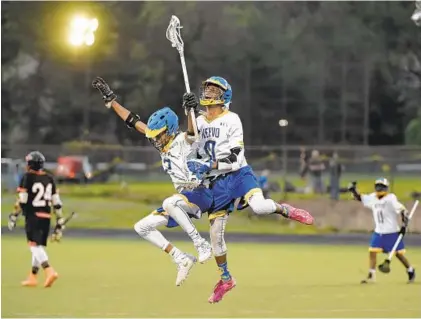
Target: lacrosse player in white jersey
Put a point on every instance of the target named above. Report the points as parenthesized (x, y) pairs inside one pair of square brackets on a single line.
[(192, 199), (223, 166), (386, 208)]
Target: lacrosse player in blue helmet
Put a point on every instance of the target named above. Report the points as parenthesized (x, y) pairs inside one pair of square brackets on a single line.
[(192, 199), (386, 208), (224, 167)]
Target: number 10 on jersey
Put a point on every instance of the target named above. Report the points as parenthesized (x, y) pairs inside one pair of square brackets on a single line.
[(210, 149)]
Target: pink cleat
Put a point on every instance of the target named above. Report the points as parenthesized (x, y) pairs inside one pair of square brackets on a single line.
[(298, 214), (221, 288)]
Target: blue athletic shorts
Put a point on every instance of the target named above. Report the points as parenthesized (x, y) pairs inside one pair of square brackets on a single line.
[(384, 243), (227, 188)]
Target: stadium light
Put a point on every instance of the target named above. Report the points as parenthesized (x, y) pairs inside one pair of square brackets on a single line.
[(82, 31), (283, 122)]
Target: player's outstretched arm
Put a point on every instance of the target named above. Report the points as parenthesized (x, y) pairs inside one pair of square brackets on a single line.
[(190, 102), (131, 119)]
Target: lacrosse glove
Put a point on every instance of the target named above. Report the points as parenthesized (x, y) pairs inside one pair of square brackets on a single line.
[(58, 230), (103, 87), (12, 221), (199, 167), (190, 101)]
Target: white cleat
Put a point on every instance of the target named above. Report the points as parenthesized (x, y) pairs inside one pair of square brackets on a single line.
[(184, 264), (204, 250)]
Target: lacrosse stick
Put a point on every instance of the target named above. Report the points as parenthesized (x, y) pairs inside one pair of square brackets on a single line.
[(173, 34), (385, 266)]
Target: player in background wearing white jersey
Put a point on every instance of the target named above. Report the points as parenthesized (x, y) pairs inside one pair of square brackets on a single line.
[(386, 208), (224, 167), (192, 200)]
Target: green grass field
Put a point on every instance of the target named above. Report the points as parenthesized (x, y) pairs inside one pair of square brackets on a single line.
[(133, 279)]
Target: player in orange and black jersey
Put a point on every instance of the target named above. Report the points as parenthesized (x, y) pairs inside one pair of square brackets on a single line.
[(36, 194)]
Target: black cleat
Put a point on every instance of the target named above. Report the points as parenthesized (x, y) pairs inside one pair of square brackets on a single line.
[(370, 279), (411, 276)]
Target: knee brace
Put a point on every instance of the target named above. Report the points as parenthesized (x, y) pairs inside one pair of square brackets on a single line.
[(217, 235), (181, 202), (260, 205)]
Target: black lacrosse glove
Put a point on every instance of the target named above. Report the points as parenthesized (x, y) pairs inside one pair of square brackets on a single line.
[(352, 187), (405, 219), (403, 230), (107, 94), (190, 101)]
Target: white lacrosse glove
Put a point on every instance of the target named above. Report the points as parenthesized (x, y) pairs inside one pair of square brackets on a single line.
[(12, 221)]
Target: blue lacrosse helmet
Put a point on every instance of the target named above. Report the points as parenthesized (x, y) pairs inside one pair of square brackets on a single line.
[(221, 94), (162, 127), (381, 186)]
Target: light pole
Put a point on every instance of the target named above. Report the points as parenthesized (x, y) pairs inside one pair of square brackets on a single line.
[(283, 123), (82, 34)]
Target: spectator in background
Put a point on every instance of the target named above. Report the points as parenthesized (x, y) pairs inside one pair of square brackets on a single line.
[(316, 168), (335, 171), (303, 163)]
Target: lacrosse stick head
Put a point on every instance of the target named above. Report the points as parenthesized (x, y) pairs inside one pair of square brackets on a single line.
[(174, 33), (385, 266)]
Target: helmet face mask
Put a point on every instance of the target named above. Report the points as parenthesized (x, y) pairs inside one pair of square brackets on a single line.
[(211, 94), (215, 91), (161, 140), (381, 186)]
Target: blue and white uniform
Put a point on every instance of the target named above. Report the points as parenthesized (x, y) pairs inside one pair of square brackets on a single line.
[(221, 141), (235, 178), (385, 214), (174, 159)]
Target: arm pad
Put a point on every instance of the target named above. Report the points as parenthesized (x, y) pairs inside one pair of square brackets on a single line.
[(57, 204), (356, 195), (131, 120), (230, 162)]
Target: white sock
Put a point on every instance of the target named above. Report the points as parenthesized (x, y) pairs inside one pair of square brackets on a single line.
[(35, 262), (175, 253), (410, 269), (372, 271), (40, 254)]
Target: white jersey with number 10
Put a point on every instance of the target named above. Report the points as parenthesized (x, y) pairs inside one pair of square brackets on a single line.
[(219, 136), (385, 212)]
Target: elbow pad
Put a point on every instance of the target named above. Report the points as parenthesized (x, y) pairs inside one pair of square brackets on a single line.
[(131, 120), (230, 162), (23, 198)]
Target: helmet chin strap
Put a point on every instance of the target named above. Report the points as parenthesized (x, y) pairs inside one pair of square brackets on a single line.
[(168, 144), (382, 194)]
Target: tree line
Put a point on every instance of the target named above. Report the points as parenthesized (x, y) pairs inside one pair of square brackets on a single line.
[(339, 72)]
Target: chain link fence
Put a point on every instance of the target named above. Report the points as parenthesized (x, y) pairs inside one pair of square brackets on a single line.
[(360, 160)]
